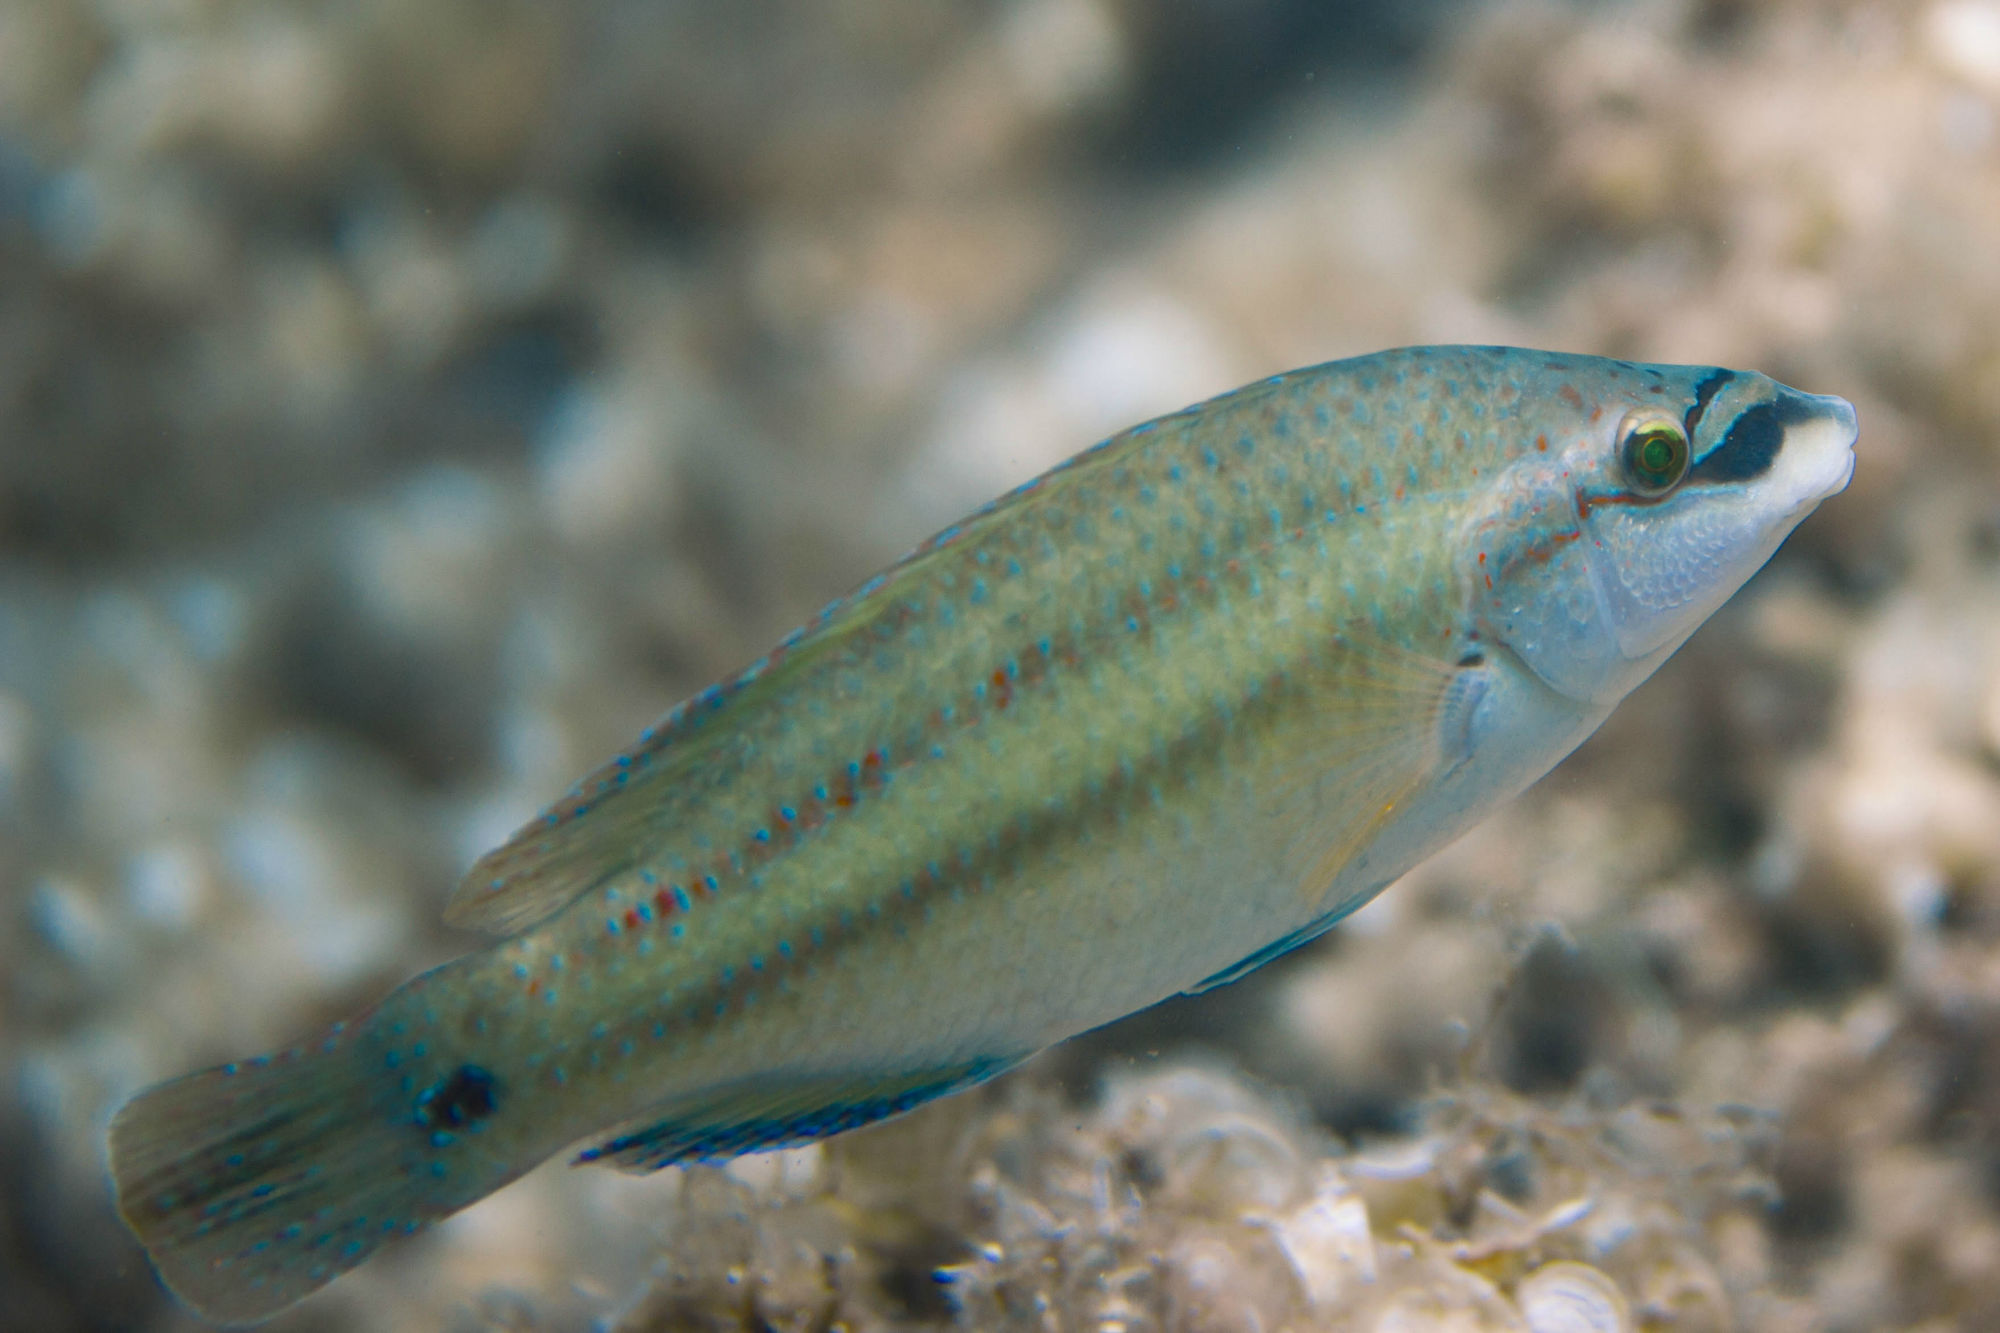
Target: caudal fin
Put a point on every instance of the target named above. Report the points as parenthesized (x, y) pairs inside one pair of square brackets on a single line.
[(253, 1185)]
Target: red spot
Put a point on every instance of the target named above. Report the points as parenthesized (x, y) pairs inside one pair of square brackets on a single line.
[(1001, 690), (1569, 395), (1542, 444), (631, 918), (873, 759), (534, 987), (664, 901)]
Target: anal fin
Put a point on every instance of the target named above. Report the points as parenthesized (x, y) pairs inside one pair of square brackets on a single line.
[(1284, 944), (778, 1113)]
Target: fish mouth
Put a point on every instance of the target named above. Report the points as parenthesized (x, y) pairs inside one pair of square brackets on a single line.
[(1817, 459)]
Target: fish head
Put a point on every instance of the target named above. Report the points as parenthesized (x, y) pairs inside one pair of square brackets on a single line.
[(1654, 494)]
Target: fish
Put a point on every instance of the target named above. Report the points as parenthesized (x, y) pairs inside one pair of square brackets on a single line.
[(1171, 709)]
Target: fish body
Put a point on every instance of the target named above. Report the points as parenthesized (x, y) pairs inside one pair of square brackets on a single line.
[(1149, 720)]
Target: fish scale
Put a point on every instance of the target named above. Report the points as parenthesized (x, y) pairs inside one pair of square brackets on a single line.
[(1139, 725)]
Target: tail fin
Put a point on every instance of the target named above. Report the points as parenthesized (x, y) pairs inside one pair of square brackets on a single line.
[(253, 1185)]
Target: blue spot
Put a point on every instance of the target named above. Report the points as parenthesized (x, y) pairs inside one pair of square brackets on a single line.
[(612, 925), (439, 1170), (679, 930), (1013, 566)]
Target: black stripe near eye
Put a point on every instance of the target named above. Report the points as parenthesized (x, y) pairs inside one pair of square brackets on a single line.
[(1753, 442), (1704, 394)]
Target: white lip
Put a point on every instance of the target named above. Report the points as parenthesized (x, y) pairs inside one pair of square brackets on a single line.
[(1818, 457)]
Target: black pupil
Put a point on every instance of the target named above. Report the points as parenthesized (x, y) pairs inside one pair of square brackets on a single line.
[(1657, 457), (460, 1100)]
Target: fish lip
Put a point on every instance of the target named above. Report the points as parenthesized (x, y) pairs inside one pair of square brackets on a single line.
[(1832, 463)]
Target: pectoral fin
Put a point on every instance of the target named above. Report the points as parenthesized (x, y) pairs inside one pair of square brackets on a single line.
[(1386, 722)]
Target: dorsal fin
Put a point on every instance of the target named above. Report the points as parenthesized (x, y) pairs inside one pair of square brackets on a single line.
[(623, 815), (617, 817)]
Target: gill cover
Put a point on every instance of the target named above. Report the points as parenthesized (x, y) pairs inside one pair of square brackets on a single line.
[(1602, 554)]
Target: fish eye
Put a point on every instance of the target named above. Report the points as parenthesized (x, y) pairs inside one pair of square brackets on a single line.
[(1655, 455)]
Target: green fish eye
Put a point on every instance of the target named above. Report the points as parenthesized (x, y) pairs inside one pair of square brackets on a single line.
[(1656, 457)]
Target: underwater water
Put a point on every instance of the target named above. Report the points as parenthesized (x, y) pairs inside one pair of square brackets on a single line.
[(401, 404)]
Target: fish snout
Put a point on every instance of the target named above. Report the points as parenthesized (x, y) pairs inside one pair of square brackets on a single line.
[(1817, 459)]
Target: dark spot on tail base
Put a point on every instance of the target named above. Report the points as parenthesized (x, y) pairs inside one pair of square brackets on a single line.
[(463, 1099)]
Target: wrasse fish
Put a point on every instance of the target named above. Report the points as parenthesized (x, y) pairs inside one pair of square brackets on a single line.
[(1134, 729)]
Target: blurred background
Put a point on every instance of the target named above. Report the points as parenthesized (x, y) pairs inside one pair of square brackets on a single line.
[(404, 401)]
